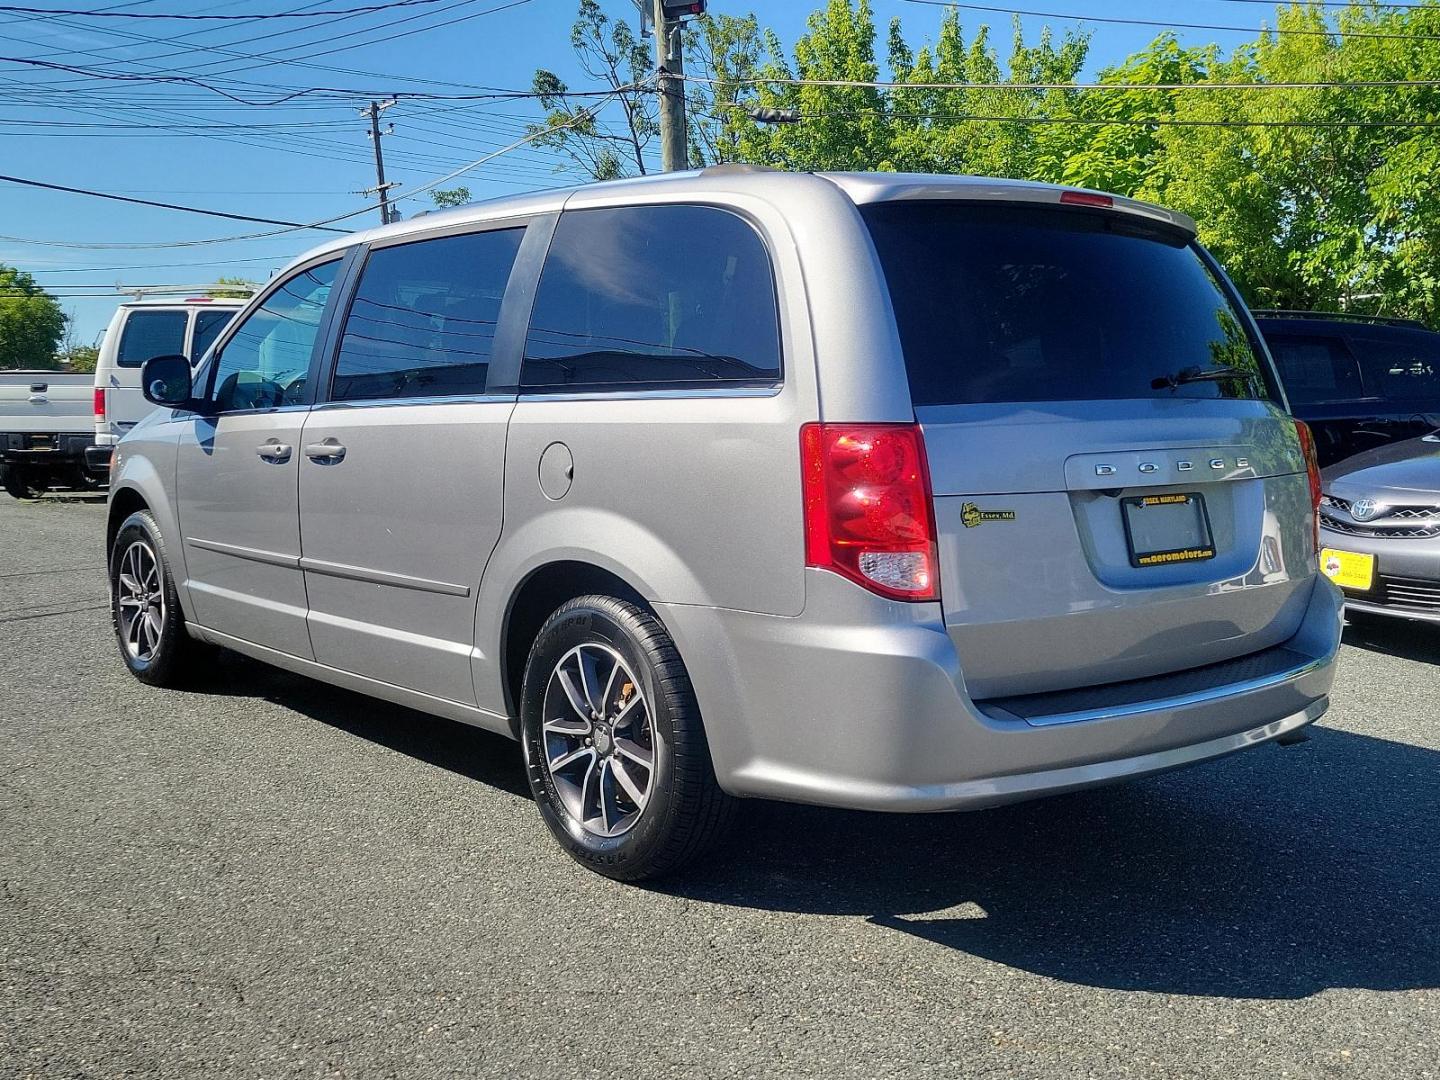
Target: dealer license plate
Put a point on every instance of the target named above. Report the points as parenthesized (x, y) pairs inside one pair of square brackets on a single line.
[(1348, 569), (1165, 529)]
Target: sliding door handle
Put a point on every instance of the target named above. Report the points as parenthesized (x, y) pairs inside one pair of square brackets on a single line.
[(327, 453), (274, 451)]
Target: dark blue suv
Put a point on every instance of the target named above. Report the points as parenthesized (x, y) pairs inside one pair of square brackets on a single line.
[(1359, 381)]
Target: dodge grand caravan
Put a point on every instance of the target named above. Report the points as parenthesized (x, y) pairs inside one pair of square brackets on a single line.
[(875, 491)]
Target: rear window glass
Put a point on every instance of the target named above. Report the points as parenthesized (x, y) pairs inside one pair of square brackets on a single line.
[(653, 296), (208, 325), (1315, 368), (151, 333), (1399, 366), (1031, 304)]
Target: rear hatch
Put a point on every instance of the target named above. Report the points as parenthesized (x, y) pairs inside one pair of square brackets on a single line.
[(1117, 492)]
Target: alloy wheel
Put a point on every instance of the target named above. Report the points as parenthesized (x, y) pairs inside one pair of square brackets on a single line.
[(598, 739), (140, 598)]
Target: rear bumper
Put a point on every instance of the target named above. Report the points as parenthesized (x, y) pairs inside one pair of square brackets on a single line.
[(43, 449), (864, 706)]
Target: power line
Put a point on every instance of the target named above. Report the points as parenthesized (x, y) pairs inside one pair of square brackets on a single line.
[(1329, 4), (261, 17), (162, 205), (1116, 20), (582, 116), (1078, 121), (883, 85)]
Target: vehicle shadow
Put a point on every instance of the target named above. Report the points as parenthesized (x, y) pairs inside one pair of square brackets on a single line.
[(447, 744), (1274, 874), (1402, 638), (1271, 874)]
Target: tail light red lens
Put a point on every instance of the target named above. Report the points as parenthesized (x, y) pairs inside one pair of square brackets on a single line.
[(99, 403), (1312, 467), (868, 512)]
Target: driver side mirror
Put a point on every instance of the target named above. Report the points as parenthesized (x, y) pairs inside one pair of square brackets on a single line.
[(165, 380)]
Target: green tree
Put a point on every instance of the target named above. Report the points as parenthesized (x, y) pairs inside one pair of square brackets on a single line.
[(31, 322), (611, 55), (457, 196), (80, 357), (232, 294)]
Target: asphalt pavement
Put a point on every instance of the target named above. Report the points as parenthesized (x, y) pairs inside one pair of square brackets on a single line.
[(274, 878)]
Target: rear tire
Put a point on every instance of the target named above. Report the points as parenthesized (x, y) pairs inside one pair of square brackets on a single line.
[(21, 483), (605, 693), (145, 607)]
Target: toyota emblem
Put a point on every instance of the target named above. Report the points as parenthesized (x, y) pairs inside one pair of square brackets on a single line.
[(1363, 509)]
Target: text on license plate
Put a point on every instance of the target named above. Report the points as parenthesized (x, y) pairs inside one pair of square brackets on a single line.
[(1348, 569)]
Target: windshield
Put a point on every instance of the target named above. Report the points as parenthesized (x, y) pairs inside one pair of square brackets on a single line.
[(1023, 303)]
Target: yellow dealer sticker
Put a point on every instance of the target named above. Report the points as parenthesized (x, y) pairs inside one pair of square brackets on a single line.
[(1348, 569)]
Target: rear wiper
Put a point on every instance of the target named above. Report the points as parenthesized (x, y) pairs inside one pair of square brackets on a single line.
[(1197, 374)]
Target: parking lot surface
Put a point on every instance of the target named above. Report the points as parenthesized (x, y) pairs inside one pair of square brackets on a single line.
[(273, 878)]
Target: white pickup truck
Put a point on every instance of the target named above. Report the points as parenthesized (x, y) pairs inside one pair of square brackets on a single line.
[(46, 423)]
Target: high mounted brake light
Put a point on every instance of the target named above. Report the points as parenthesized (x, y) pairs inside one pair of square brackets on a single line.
[(868, 513), (1087, 198)]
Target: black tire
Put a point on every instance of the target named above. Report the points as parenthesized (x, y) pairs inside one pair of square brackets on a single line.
[(173, 659), (22, 483), (686, 812)]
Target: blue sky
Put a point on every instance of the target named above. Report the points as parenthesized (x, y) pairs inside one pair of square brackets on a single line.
[(307, 160)]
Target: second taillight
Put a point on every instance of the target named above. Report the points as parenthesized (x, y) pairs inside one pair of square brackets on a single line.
[(867, 507), (99, 403)]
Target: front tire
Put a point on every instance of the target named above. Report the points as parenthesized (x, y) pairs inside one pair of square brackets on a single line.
[(145, 606), (614, 747)]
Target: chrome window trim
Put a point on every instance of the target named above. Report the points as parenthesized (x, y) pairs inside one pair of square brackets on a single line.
[(433, 399), (677, 394)]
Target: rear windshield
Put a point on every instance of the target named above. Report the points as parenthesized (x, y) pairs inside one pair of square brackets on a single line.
[(1005, 303), (151, 333)]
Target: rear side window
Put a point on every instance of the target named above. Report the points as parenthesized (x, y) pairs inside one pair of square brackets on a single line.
[(422, 323), (1315, 368), (208, 325), (1399, 366), (151, 333), (1009, 303), (653, 297)]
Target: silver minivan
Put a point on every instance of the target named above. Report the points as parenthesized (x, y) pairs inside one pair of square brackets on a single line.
[(878, 491)]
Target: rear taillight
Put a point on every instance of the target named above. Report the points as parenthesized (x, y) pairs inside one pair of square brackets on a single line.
[(867, 507), (99, 403), (1312, 467)]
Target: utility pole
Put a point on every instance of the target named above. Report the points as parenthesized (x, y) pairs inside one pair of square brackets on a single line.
[(670, 63), (381, 188)]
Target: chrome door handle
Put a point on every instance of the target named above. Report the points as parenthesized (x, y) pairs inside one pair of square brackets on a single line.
[(327, 452), (274, 450)]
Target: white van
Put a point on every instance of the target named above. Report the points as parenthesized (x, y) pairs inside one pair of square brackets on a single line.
[(142, 329)]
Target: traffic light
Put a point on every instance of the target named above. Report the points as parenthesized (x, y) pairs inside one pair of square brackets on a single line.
[(674, 10)]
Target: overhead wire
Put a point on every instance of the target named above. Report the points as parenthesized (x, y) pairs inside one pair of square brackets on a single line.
[(162, 205), (1116, 20)]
